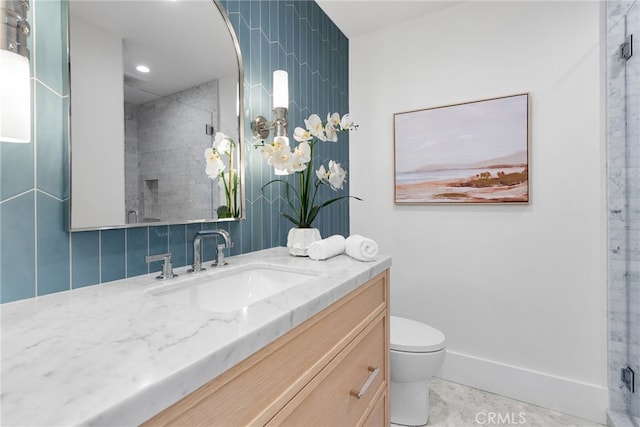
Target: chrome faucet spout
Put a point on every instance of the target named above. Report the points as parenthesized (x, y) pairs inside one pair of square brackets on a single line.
[(197, 248)]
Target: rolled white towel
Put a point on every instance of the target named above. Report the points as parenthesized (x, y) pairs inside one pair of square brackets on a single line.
[(326, 248), (361, 248)]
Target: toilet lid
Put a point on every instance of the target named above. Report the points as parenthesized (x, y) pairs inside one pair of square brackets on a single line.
[(409, 335)]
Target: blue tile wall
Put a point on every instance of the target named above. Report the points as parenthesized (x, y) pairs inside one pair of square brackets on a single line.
[(37, 255)]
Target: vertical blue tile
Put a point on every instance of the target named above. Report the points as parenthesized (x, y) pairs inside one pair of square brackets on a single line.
[(192, 229), (158, 239), (268, 216), (85, 258), (232, 6), (158, 244), (113, 245), (272, 22), (245, 236), (17, 230), (178, 244), (256, 15), (66, 172), (254, 66), (53, 246), (16, 169), (50, 142), (208, 244), (244, 39), (244, 8), (289, 25), (137, 246), (281, 231), (50, 63)]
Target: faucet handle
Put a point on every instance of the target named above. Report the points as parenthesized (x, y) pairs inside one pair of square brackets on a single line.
[(167, 268), (220, 261)]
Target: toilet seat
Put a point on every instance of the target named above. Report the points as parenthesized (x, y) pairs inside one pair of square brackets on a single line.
[(415, 337)]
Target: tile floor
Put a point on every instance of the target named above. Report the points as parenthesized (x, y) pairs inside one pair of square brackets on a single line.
[(456, 405), (619, 419)]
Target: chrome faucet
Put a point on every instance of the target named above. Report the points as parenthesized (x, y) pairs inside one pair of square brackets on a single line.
[(167, 268), (197, 255)]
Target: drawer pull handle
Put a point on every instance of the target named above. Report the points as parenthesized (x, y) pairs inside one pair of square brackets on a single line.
[(365, 386)]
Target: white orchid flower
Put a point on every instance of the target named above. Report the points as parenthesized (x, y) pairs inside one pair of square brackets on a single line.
[(296, 164), (301, 135), (214, 168), (280, 158), (346, 123), (267, 151), (337, 175), (303, 152), (280, 142), (331, 134), (321, 173), (222, 143), (333, 119), (300, 158), (211, 155), (315, 127)]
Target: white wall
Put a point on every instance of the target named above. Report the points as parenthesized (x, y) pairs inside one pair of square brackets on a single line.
[(97, 126), (520, 290)]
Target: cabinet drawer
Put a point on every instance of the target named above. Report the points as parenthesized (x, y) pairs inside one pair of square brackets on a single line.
[(378, 415), (253, 391), (329, 399)]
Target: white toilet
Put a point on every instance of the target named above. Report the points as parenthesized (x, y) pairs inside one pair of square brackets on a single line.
[(417, 352)]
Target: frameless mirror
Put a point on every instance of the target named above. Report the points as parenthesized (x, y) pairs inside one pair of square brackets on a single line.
[(152, 82)]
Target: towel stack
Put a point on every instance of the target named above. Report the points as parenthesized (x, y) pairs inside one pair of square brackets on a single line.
[(356, 246)]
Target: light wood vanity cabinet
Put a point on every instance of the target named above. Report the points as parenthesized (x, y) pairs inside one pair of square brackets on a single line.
[(311, 376)]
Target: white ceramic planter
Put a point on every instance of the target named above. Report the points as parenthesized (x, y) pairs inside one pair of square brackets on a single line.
[(299, 239)]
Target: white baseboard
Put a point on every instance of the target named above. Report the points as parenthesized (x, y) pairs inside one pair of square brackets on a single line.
[(576, 398)]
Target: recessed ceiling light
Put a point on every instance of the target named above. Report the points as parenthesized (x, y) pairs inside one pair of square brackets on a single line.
[(143, 68)]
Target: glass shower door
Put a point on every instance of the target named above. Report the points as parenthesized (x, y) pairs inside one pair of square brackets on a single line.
[(623, 202), (631, 52)]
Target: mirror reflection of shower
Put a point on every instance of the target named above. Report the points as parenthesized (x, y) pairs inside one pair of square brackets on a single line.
[(165, 141)]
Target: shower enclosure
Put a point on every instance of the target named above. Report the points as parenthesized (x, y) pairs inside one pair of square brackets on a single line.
[(623, 190)]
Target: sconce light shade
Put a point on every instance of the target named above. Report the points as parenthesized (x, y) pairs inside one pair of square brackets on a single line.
[(280, 89), (260, 126), (15, 98), (15, 92)]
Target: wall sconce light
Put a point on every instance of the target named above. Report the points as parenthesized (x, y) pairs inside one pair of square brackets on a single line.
[(260, 126), (15, 87)]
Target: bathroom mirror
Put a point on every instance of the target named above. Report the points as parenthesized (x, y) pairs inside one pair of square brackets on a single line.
[(151, 83)]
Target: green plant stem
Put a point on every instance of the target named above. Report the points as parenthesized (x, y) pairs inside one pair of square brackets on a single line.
[(305, 182)]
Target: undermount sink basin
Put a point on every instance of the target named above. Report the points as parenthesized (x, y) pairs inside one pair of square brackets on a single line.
[(230, 290)]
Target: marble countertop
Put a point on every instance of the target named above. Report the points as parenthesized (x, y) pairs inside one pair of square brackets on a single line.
[(113, 354)]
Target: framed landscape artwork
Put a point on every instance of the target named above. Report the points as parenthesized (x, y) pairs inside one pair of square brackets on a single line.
[(474, 152)]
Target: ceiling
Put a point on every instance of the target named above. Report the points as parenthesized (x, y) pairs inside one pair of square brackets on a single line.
[(153, 43), (154, 34), (357, 17)]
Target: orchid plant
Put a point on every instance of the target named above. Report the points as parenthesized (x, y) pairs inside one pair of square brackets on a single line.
[(224, 146), (303, 200)]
